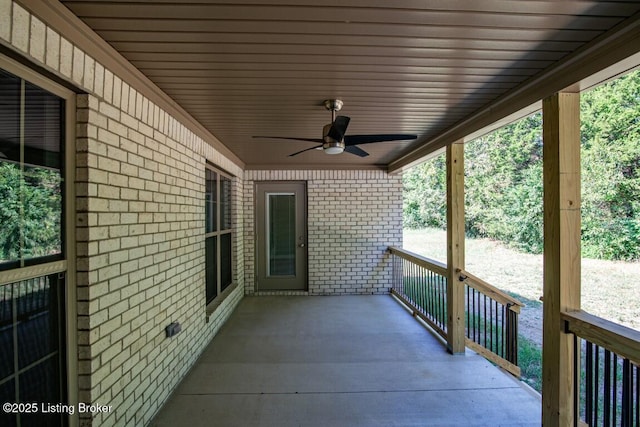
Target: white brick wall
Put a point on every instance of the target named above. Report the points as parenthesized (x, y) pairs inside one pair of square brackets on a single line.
[(140, 232), (353, 216)]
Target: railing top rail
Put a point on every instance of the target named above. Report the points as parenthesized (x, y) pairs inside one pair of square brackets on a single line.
[(490, 290), (428, 263), (610, 335)]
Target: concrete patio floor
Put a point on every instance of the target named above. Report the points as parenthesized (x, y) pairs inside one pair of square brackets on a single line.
[(340, 361)]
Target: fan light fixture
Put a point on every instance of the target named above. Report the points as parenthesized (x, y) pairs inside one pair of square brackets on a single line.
[(333, 147)]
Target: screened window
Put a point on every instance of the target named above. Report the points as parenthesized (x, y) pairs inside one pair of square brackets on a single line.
[(218, 232)]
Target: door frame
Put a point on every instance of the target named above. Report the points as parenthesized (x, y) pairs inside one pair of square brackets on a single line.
[(301, 251)]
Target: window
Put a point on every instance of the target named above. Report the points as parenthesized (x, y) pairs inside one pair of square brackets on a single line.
[(32, 309), (218, 232), (31, 134)]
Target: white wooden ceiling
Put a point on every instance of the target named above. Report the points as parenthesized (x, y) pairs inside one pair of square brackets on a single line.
[(262, 67)]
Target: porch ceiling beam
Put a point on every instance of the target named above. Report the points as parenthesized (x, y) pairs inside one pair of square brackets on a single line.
[(611, 54)]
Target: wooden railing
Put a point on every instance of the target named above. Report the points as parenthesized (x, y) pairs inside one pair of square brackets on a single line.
[(421, 283), (607, 372), (492, 322), (491, 315)]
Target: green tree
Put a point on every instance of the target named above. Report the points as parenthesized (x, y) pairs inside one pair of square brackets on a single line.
[(30, 212), (610, 136), (504, 184), (504, 179), (425, 195)]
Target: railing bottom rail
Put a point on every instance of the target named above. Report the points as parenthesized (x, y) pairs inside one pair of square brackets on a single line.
[(417, 313)]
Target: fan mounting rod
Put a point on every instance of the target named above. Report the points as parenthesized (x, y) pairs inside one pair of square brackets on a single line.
[(333, 105)]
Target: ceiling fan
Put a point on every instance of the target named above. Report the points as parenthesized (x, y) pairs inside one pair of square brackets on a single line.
[(334, 140)]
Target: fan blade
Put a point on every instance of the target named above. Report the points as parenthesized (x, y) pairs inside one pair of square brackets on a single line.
[(338, 128), (353, 149), (318, 140), (368, 139), (306, 149)]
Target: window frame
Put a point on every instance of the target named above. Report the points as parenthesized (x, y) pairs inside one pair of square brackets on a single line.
[(66, 264), (23, 165), (222, 290)]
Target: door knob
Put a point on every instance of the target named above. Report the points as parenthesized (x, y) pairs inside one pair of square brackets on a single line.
[(301, 245)]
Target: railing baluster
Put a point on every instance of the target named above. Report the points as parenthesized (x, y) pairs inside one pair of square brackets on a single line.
[(607, 387), (501, 353), (484, 319), (637, 379), (478, 316), (576, 370), (423, 290), (474, 316), (437, 310), (596, 376), (443, 302), (430, 292), (468, 319), (614, 396), (514, 341), (437, 300), (497, 337), (589, 382), (625, 418)]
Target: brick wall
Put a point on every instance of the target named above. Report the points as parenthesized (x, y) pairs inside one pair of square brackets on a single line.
[(140, 232), (353, 216)]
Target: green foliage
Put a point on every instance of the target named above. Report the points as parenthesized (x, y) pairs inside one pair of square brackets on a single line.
[(425, 189), (503, 181), (610, 170), (503, 185), (30, 212)]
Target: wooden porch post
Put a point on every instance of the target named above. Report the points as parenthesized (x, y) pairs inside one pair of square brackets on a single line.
[(561, 176), (455, 247)]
